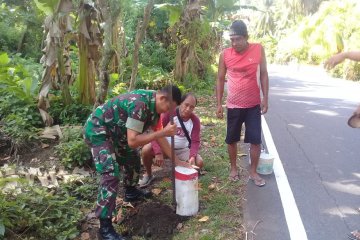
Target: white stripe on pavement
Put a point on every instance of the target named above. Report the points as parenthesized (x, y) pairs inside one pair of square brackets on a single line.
[(292, 215)]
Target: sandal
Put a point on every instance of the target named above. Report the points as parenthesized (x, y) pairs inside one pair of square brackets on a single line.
[(258, 181), (354, 235), (234, 178)]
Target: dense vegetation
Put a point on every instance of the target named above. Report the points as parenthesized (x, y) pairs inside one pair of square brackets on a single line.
[(64, 59)]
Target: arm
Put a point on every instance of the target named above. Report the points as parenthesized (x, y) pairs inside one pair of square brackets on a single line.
[(165, 119), (165, 147), (136, 139), (340, 57), (220, 85), (264, 81), (195, 136)]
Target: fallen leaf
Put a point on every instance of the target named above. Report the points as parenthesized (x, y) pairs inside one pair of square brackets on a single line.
[(85, 236), (213, 139), (118, 217), (242, 154), (166, 179), (205, 144), (44, 145), (128, 204), (212, 186), (204, 219), (119, 201), (179, 226), (156, 191)]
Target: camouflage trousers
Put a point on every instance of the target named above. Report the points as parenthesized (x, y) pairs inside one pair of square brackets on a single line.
[(109, 158)]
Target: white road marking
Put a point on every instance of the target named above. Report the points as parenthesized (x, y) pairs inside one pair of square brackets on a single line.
[(292, 215)]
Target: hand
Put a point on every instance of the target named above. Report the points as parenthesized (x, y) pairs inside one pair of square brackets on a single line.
[(334, 60), (192, 161), (357, 111), (264, 106), (159, 160), (169, 130), (219, 111), (183, 164)]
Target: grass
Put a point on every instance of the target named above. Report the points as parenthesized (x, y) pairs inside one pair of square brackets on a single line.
[(223, 203)]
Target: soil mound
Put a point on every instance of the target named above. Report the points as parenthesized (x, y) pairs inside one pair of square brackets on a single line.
[(153, 220)]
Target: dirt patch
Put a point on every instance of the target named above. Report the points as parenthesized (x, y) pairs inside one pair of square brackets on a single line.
[(153, 220)]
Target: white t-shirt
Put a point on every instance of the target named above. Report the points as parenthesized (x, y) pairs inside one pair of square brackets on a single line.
[(180, 138)]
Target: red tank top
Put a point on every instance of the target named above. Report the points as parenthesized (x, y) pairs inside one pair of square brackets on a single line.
[(243, 71)]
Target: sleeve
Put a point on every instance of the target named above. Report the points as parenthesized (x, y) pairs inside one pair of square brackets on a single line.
[(137, 115), (195, 136)]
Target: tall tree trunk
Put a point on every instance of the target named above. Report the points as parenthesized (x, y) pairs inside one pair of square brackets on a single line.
[(185, 51), (89, 53), (56, 74), (110, 16), (140, 33)]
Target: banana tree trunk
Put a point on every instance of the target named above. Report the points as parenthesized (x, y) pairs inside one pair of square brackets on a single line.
[(89, 50), (140, 33), (110, 36)]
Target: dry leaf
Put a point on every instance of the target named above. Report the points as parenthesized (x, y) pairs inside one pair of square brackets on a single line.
[(156, 191), (204, 219), (242, 154), (179, 226), (212, 186), (166, 179), (119, 201), (213, 139), (118, 217), (44, 145), (128, 204), (205, 144), (85, 236)]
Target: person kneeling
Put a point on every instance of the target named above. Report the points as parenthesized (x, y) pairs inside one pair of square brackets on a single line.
[(187, 139)]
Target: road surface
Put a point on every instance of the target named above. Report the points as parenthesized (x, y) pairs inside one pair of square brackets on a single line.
[(307, 118)]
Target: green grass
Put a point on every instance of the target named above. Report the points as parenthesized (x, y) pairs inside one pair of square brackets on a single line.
[(223, 204)]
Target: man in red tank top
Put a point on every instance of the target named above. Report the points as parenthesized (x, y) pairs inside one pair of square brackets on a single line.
[(245, 66)]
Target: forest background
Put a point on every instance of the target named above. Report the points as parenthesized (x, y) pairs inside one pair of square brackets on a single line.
[(61, 58)]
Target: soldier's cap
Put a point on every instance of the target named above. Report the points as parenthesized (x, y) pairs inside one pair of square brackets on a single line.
[(238, 27)]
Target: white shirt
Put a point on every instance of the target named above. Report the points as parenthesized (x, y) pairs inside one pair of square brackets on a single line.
[(180, 138)]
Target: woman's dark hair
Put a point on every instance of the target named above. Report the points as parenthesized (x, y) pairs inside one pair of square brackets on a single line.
[(176, 93), (238, 27), (187, 95)]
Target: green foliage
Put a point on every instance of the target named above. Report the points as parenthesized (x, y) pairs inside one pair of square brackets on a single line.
[(73, 114), (18, 84), (84, 190), (20, 28), (19, 130), (72, 149), (39, 213), (152, 77), (154, 54)]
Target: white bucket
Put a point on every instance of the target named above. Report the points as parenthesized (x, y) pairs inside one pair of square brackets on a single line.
[(187, 194), (266, 162)]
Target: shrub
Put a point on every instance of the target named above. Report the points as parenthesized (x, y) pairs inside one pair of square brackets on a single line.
[(39, 214), (72, 149)]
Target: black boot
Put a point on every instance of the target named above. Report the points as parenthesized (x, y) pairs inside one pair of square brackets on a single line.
[(133, 194), (107, 231)]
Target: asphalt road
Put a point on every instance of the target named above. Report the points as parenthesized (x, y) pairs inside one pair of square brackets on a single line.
[(308, 112)]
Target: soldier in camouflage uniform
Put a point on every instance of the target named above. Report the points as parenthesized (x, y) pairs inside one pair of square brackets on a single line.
[(114, 132)]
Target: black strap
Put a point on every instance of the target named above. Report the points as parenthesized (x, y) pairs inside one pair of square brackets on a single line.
[(183, 127)]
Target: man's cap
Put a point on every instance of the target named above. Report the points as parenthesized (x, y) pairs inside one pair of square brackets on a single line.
[(238, 27)]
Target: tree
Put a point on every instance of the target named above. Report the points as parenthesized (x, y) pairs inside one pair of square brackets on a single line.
[(140, 33)]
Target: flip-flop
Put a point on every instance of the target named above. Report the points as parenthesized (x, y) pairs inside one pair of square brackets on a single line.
[(234, 178), (258, 181), (354, 235)]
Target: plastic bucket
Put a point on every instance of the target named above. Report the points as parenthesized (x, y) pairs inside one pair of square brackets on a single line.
[(187, 194), (266, 163)]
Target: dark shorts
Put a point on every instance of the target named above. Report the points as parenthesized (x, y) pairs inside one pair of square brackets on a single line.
[(252, 119)]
